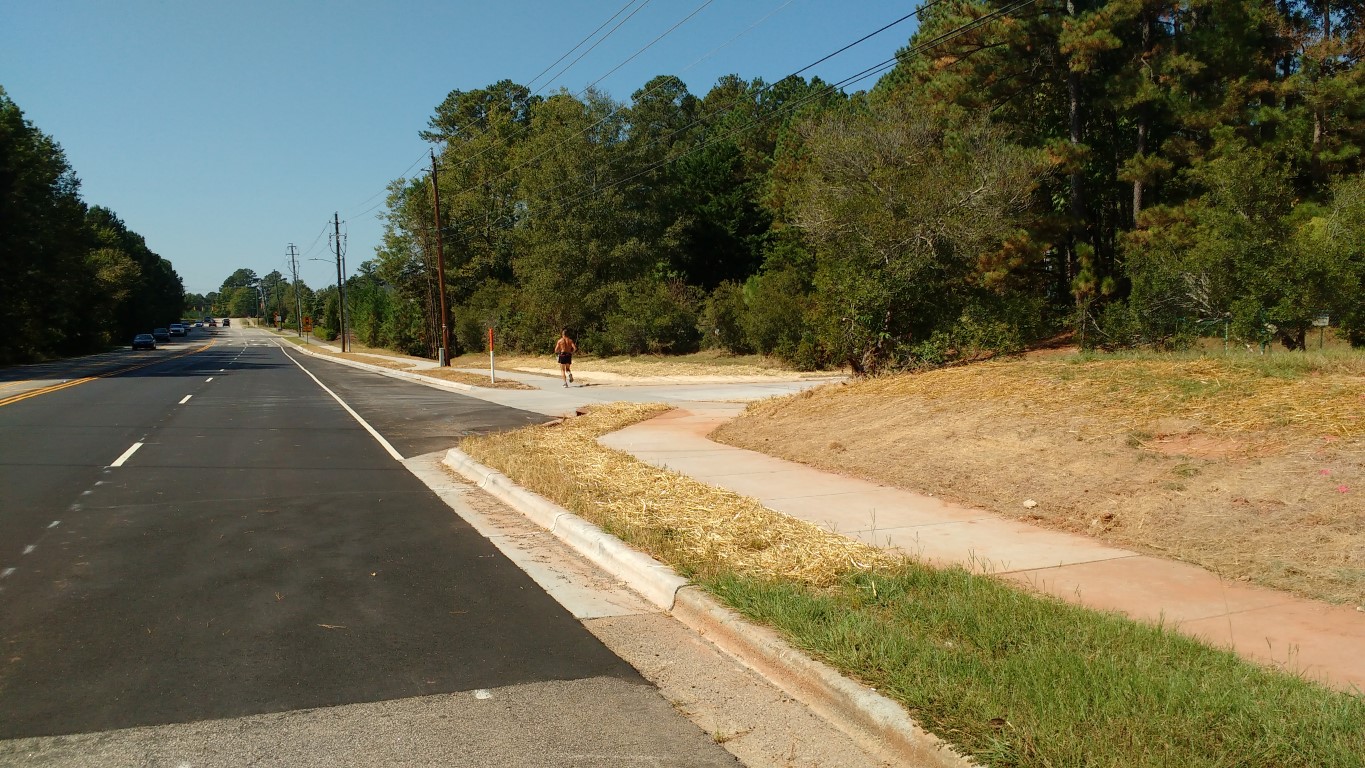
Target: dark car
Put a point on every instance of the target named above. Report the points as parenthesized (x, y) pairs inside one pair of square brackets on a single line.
[(161, 334), (144, 341), (227, 322)]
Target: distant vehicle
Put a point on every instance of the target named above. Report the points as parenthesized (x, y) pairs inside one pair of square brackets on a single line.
[(178, 330), (213, 323), (227, 321), (161, 334), (198, 325), (144, 341)]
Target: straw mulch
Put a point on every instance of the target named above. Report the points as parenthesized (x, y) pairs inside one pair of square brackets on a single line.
[(698, 529)]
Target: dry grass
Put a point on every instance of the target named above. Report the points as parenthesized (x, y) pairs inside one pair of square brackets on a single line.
[(1250, 468), (698, 529), (472, 379), (701, 364), (383, 360)]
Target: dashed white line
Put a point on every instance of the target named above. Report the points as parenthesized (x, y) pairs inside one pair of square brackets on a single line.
[(208, 379), (186, 400), (6, 573), (128, 454), (29, 549), (55, 523)]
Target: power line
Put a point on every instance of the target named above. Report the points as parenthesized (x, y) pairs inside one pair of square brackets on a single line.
[(650, 44), (581, 42), (590, 49)]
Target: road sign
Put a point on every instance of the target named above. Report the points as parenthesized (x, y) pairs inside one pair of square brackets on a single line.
[(1322, 321), (307, 324)]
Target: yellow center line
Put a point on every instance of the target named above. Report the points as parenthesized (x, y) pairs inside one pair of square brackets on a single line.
[(106, 374)]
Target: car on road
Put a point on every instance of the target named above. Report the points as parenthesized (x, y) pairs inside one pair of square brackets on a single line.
[(213, 323), (227, 321), (178, 330), (198, 325), (144, 341), (161, 334)]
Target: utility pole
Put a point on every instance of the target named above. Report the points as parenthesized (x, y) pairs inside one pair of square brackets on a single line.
[(298, 300), (341, 283), (443, 354)]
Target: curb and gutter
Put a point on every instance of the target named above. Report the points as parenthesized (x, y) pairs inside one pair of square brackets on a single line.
[(874, 720)]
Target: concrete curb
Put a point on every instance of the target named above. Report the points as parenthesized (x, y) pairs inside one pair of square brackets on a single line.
[(652, 579), (874, 720)]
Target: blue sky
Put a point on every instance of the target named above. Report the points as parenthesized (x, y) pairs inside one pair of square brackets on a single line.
[(224, 131)]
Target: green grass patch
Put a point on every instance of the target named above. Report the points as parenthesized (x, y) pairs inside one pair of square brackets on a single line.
[(1015, 679)]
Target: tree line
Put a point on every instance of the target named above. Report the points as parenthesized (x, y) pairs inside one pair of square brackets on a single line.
[(1133, 172), (74, 278)]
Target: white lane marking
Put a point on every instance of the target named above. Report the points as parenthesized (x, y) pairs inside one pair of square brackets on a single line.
[(208, 379), (186, 400), (55, 523), (396, 456), (128, 454), (6, 573), (29, 549)]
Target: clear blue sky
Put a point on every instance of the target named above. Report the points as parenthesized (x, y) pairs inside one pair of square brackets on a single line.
[(223, 131)]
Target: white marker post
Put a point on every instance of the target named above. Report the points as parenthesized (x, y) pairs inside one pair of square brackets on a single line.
[(492, 369)]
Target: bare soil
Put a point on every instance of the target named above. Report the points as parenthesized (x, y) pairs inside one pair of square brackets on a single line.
[(1255, 474)]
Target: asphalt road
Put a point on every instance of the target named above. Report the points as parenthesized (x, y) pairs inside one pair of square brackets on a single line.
[(212, 536)]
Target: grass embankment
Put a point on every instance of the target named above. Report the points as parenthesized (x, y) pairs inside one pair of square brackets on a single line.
[(1011, 678), (1250, 466)]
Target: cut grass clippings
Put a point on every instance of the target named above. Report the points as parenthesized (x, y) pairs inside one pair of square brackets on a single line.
[(1009, 677)]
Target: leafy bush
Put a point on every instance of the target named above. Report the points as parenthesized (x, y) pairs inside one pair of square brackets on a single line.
[(655, 318), (722, 320)]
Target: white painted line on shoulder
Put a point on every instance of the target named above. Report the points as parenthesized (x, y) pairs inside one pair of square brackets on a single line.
[(380, 438), (55, 523), (186, 400), (6, 573), (128, 454)]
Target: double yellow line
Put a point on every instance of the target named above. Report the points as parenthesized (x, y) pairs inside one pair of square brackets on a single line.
[(106, 374)]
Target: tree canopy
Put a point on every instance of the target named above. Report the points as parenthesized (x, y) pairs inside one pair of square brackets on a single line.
[(74, 278)]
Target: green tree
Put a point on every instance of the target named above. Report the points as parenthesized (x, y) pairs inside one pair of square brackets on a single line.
[(899, 204)]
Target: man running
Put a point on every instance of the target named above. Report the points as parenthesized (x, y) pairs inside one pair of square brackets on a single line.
[(565, 348)]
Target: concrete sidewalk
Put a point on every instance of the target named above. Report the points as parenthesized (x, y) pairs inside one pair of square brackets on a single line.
[(1317, 640), (1314, 639)]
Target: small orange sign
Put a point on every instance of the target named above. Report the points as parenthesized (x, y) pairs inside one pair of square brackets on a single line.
[(307, 324)]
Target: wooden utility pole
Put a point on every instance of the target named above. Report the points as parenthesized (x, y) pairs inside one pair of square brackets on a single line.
[(443, 355), (341, 282), (298, 300)]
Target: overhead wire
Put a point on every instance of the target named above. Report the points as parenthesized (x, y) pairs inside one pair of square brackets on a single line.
[(590, 49), (590, 36)]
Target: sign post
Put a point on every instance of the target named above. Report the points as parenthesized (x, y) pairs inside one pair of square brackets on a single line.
[(492, 369), (1322, 321)]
